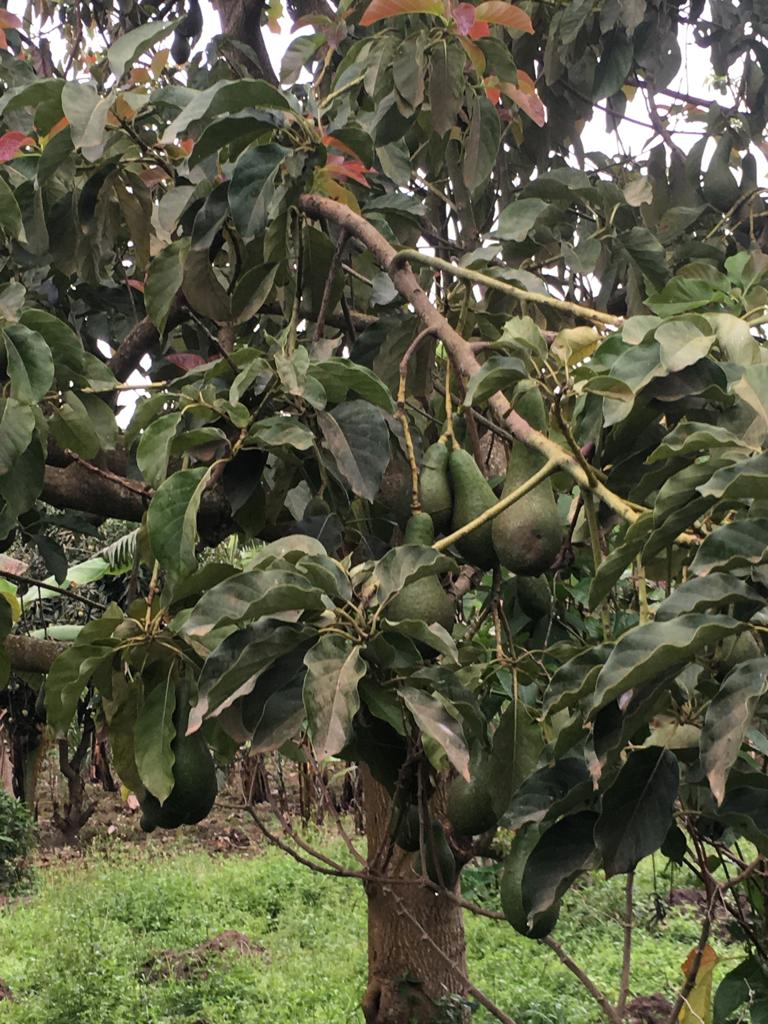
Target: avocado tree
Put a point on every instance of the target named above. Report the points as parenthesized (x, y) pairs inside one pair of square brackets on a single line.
[(489, 410)]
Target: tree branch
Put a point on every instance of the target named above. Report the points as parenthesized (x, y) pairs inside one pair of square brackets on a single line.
[(409, 287), (29, 655)]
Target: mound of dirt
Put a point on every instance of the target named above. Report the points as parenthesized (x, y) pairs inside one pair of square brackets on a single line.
[(195, 962)]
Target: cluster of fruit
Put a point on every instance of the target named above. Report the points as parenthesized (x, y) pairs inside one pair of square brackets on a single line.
[(525, 538)]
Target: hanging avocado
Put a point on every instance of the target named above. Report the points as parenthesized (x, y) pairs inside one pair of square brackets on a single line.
[(472, 495), (194, 773), (534, 597), (404, 826), (435, 487), (719, 186), (440, 863), (470, 808), (425, 600), (527, 536)]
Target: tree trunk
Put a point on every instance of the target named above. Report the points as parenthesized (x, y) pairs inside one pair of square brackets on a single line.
[(416, 949)]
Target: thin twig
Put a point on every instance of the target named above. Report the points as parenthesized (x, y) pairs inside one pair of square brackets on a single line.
[(605, 1005), (333, 270), (626, 962), (50, 586)]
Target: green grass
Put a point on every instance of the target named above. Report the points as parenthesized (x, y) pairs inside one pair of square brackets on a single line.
[(73, 953)]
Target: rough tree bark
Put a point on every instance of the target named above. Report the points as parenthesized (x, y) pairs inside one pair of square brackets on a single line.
[(410, 978)]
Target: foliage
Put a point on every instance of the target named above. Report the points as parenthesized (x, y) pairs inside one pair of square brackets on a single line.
[(17, 840), (263, 245)]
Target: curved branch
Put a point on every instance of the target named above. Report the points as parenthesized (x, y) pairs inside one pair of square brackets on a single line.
[(409, 287)]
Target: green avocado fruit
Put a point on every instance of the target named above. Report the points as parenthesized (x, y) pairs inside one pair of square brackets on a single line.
[(470, 808), (527, 536), (425, 600), (194, 789), (435, 486), (534, 596), (440, 863), (472, 495)]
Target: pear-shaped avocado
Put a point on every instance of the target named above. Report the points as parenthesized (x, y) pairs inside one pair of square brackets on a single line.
[(435, 487), (440, 863), (194, 774), (719, 186), (404, 827), (527, 536), (470, 808), (425, 600), (472, 495), (534, 597), (511, 890)]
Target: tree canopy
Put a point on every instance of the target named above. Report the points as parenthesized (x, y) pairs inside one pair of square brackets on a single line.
[(375, 285)]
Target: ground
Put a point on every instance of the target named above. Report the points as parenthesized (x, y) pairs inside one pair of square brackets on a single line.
[(207, 926)]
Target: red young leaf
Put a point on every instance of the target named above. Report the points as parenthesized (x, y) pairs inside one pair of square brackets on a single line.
[(378, 9), (498, 12), (480, 30), (338, 167), (8, 20), (464, 16), (11, 143), (524, 95), (492, 90)]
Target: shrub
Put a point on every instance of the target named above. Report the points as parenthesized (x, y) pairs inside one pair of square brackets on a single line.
[(17, 839)]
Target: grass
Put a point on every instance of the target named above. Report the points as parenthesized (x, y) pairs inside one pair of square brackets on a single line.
[(73, 953)]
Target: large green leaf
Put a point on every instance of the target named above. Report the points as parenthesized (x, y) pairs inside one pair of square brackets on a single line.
[(745, 479), (249, 595), (436, 724), (549, 792), (224, 97), (232, 669), (30, 365), (153, 734), (707, 593), (656, 649), (154, 448), (575, 679), (340, 376), (728, 720), (406, 564), (331, 698), (689, 438), (123, 53), (517, 745), (498, 373), (564, 851), (481, 143), (172, 520), (10, 214), (87, 114), (737, 545), (17, 424), (252, 186), (357, 436), (164, 279), (636, 811)]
